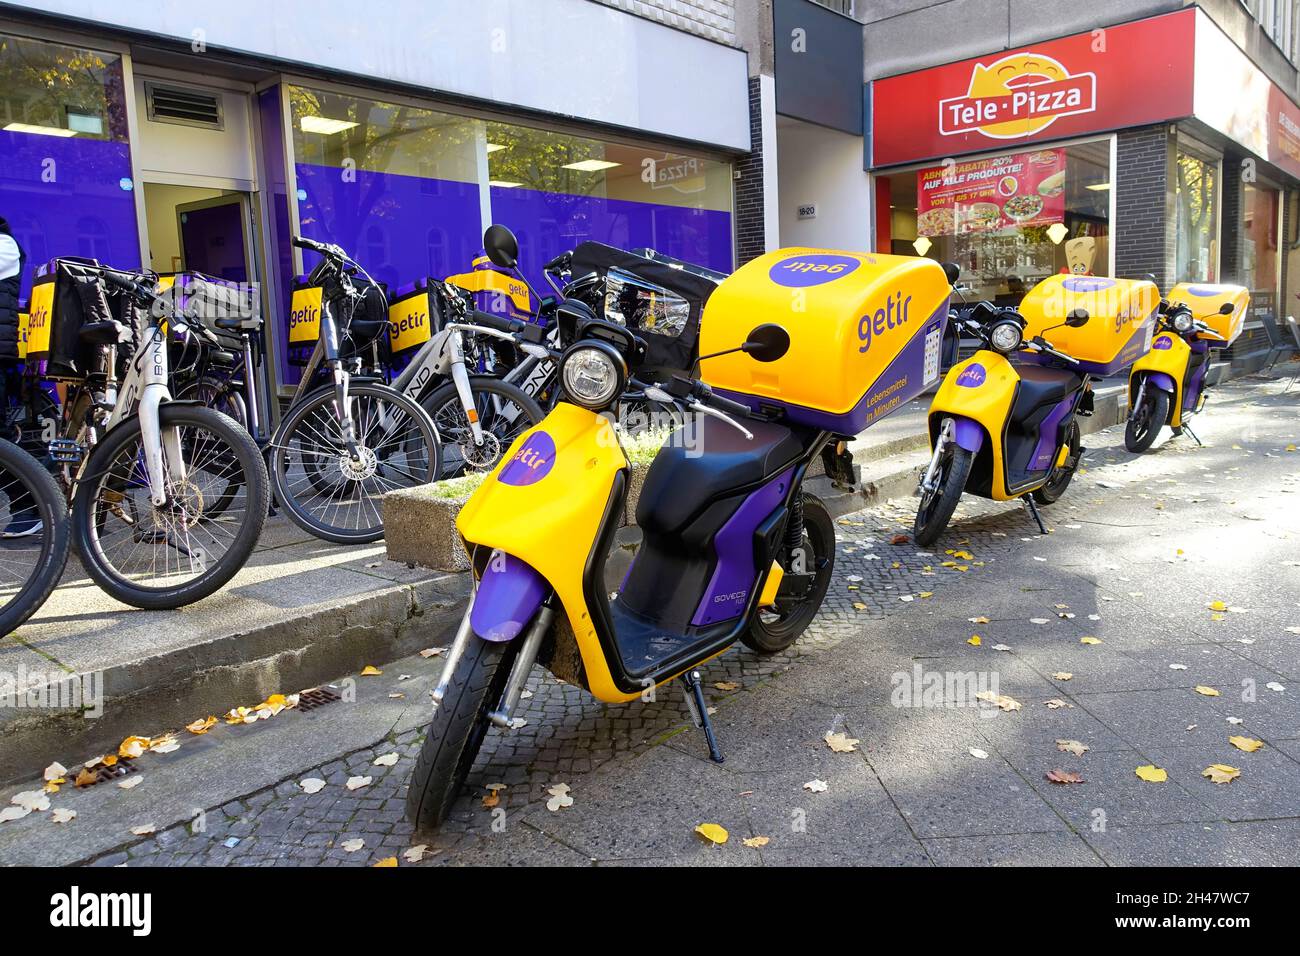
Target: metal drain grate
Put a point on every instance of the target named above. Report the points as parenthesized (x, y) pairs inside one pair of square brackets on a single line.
[(123, 768), (317, 697)]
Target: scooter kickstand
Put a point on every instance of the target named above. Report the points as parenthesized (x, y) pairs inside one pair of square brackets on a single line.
[(1193, 434), (700, 712), (1033, 510)]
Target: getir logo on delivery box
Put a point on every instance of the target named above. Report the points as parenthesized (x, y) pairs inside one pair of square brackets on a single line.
[(1018, 95)]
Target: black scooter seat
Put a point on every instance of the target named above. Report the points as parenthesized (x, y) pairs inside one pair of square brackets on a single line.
[(707, 459), (1043, 385)]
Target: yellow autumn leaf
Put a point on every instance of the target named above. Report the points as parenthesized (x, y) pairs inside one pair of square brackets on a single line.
[(1246, 744), (1217, 606), (756, 842), (1220, 773), (926, 594), (133, 747), (1152, 774), (387, 861), (1206, 691), (370, 670), (712, 832), (974, 640), (859, 606), (841, 743), (978, 620), (201, 726), (1089, 640), (1002, 702)]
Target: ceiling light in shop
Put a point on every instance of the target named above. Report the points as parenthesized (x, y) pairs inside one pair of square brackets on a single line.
[(86, 123), (503, 184), (39, 130), (493, 147), (1099, 187), (590, 165), (922, 245), (324, 125), (1057, 231)]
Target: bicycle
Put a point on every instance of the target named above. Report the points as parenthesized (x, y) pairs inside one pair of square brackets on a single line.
[(32, 562), (344, 444), (168, 498)]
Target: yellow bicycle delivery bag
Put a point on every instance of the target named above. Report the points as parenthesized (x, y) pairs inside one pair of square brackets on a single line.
[(1121, 319), (865, 334), (1205, 300)]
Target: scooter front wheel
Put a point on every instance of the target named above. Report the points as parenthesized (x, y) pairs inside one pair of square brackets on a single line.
[(937, 506), (1147, 420), (774, 629), (454, 736)]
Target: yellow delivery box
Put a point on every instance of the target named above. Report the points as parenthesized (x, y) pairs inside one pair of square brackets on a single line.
[(1206, 300), (1121, 319), (865, 334)]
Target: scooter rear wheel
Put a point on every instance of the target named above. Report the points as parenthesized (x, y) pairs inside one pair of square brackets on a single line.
[(456, 733), (1147, 420), (1059, 479), (776, 629)]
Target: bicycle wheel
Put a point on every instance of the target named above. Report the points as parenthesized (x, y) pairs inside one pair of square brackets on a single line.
[(167, 556), (329, 494), (505, 412), (34, 545)]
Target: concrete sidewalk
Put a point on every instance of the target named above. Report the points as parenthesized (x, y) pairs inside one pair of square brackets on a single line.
[(304, 611)]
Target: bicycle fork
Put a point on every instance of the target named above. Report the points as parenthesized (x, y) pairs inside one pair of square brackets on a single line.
[(162, 452)]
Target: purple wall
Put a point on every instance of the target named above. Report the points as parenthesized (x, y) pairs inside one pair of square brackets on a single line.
[(550, 223), (64, 196)]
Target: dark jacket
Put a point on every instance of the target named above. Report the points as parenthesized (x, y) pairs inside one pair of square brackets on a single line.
[(9, 301)]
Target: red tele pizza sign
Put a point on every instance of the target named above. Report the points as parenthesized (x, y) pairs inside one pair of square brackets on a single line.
[(1127, 75)]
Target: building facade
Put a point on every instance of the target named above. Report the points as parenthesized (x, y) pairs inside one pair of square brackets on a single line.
[(171, 138)]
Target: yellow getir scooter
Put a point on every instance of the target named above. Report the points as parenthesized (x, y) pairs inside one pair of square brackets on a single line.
[(1004, 430), (800, 346), (1167, 386)]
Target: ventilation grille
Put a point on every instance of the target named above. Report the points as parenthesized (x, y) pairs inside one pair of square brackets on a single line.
[(188, 107)]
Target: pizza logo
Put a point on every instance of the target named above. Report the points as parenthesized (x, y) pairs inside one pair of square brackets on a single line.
[(1017, 96)]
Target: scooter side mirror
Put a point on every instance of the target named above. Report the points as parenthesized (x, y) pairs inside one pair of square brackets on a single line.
[(1226, 309), (501, 246), (952, 271), (1076, 318), (767, 343)]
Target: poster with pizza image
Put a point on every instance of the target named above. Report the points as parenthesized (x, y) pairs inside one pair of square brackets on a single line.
[(995, 192)]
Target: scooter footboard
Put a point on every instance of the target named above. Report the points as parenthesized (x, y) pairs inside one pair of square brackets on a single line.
[(509, 595)]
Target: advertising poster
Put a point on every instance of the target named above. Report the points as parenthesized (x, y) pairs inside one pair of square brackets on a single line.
[(996, 192)]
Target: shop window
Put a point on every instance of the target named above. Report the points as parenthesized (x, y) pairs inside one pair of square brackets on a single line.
[(1196, 200), (65, 182), (1008, 220)]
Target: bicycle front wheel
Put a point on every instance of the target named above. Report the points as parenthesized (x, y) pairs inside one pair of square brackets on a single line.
[(330, 492), (167, 556), (34, 546)]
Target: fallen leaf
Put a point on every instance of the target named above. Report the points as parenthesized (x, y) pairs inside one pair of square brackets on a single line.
[(130, 783), (726, 685), (978, 620), (1057, 704), (1246, 743), (756, 842), (1038, 620), (356, 783), (492, 799), (712, 832), (1001, 647), (55, 771), (143, 830), (1221, 773), (1003, 703), (432, 652), (1178, 667), (387, 760), (1089, 640), (312, 785), (815, 786), (370, 670), (201, 726), (859, 606), (978, 754), (841, 743), (974, 640), (898, 539), (1206, 691), (1072, 747), (1152, 774), (351, 846), (1233, 720), (926, 594), (9, 814), (559, 797), (386, 862), (416, 853), (133, 747), (85, 778), (1063, 776), (1063, 675), (1274, 685), (33, 801), (63, 815), (1217, 606)]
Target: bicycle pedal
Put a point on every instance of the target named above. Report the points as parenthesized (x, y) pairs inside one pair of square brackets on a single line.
[(65, 451)]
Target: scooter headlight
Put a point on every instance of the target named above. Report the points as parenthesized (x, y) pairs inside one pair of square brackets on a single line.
[(593, 374), (1182, 321), (1005, 336)]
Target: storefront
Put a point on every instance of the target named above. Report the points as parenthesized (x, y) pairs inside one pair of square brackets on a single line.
[(1150, 147), (129, 151)]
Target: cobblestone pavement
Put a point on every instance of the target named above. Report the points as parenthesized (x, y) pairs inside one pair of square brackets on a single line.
[(1140, 547)]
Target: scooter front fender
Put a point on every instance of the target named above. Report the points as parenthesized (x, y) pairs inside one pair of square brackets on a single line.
[(968, 434), (509, 594), (1163, 381)]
